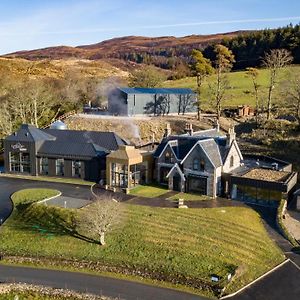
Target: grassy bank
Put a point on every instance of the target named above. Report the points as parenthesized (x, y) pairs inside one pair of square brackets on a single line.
[(177, 246), (240, 87)]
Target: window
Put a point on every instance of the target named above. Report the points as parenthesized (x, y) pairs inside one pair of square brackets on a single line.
[(76, 168), (202, 165), (231, 161), (19, 162), (196, 164), (44, 169), (168, 158), (60, 167)]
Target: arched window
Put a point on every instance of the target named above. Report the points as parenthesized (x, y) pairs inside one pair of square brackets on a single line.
[(231, 161), (168, 158), (202, 165), (196, 164)]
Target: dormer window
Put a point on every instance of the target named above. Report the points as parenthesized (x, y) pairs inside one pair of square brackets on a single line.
[(196, 164), (202, 165), (231, 161)]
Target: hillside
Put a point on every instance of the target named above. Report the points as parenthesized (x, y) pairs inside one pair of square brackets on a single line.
[(19, 67), (240, 87), (114, 48)]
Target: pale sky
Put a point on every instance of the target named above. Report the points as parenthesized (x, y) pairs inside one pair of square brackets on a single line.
[(32, 24)]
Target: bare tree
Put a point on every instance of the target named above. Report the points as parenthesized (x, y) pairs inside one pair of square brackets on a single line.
[(223, 63), (274, 61), (291, 93), (100, 217), (253, 74), (186, 102)]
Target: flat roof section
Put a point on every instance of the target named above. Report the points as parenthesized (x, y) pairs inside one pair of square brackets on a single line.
[(267, 174)]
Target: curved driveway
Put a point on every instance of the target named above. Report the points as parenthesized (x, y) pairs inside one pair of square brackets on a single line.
[(10, 185)]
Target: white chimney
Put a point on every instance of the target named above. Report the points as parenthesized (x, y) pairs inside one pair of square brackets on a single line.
[(230, 136)]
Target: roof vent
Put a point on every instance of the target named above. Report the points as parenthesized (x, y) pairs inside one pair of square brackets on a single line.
[(58, 125)]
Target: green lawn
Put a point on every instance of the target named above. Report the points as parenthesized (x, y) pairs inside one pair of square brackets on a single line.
[(190, 196), (179, 246), (31, 295), (50, 179), (240, 87), (148, 191), (28, 196)]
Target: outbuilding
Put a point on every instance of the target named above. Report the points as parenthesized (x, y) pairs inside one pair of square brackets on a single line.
[(151, 101)]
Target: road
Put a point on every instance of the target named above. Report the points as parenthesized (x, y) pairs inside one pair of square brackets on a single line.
[(91, 284)]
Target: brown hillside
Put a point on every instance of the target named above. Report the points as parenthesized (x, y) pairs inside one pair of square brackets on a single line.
[(111, 48)]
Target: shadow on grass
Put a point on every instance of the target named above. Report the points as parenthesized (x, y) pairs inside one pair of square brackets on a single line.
[(49, 220)]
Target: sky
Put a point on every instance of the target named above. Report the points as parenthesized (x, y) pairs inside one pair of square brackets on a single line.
[(32, 24)]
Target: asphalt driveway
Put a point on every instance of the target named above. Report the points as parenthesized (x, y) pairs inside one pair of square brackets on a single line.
[(10, 185)]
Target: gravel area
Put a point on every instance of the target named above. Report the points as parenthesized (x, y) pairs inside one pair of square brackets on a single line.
[(68, 202)]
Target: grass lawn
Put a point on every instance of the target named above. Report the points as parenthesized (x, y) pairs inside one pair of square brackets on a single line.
[(178, 246), (31, 295), (148, 191), (190, 196), (50, 179), (240, 87)]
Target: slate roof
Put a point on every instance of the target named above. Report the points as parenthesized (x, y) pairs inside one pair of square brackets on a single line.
[(68, 143), (55, 149), (29, 133), (137, 90), (211, 141), (106, 140)]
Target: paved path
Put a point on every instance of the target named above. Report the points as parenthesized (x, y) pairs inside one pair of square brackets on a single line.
[(92, 284)]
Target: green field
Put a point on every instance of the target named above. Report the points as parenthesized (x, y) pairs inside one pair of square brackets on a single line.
[(182, 247), (31, 295), (240, 87)]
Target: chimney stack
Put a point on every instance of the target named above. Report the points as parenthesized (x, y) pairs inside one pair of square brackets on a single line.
[(167, 130), (189, 129), (217, 125), (230, 136)]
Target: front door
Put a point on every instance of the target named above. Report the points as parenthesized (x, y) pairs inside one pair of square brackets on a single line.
[(176, 183)]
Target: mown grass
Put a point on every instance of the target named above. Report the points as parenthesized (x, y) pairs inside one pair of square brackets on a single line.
[(179, 246), (190, 197), (149, 191), (28, 196), (239, 88)]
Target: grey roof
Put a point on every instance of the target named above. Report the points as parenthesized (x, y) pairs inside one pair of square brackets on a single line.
[(212, 150), (106, 140), (137, 90), (29, 133), (211, 141), (54, 149)]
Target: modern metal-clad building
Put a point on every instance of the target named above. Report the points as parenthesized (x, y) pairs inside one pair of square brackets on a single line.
[(56, 152), (151, 101)]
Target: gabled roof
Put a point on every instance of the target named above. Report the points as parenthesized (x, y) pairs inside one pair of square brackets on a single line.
[(211, 150), (176, 168), (29, 133), (137, 90)]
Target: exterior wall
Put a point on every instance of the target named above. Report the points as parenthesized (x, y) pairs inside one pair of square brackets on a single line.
[(161, 163), (140, 104), (233, 152), (209, 170), (20, 147)]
